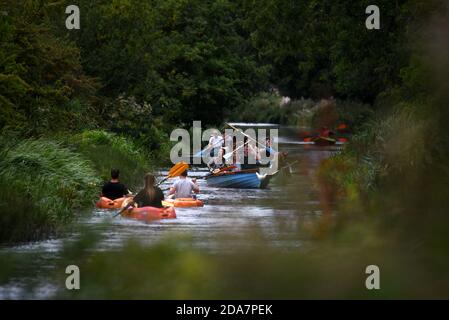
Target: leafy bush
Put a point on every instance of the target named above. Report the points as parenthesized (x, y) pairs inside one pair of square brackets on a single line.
[(126, 116)]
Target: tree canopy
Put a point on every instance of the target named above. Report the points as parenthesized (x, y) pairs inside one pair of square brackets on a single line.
[(184, 60)]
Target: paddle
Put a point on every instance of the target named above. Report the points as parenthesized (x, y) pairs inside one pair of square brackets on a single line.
[(327, 138), (122, 210), (200, 153), (229, 154), (175, 171), (249, 137), (208, 147), (289, 165), (284, 167)]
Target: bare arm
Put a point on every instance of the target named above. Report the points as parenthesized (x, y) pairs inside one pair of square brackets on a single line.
[(196, 188)]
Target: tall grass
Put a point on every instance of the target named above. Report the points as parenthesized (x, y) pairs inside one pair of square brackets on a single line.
[(395, 143), (41, 184), (107, 150)]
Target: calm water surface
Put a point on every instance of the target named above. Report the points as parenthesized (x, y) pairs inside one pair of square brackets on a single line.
[(277, 214)]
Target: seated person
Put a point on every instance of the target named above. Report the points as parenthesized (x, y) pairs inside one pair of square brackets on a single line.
[(218, 161), (114, 189), (150, 195), (215, 143), (184, 187), (325, 132)]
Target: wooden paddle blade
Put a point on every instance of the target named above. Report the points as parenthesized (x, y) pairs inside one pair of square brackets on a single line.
[(177, 169)]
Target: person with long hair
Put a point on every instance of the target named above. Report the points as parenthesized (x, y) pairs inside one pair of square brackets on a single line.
[(151, 195)]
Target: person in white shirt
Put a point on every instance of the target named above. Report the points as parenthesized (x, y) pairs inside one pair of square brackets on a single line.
[(184, 187), (228, 142), (215, 145)]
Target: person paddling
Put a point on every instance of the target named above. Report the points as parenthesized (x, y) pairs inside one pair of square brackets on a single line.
[(150, 196), (114, 189), (215, 143), (184, 187), (325, 132)]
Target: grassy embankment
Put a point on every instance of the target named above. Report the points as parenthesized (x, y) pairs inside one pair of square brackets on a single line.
[(44, 182)]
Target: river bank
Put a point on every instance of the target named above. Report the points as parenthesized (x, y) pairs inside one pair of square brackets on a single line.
[(45, 181)]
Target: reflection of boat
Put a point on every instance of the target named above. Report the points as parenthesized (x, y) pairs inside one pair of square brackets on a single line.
[(244, 179), (150, 213)]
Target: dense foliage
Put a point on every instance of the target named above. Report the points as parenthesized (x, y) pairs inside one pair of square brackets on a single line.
[(42, 85), (185, 60)]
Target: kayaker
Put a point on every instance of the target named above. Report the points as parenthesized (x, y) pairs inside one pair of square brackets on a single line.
[(150, 196), (215, 146), (269, 151), (215, 143), (114, 189), (228, 142), (219, 161), (325, 132), (184, 187)]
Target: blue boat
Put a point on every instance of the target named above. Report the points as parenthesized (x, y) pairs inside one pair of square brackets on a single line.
[(245, 179)]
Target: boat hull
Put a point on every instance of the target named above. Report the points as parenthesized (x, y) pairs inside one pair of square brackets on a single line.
[(240, 180), (182, 203)]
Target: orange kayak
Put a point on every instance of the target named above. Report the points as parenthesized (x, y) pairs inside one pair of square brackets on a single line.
[(106, 203), (183, 203), (150, 213)]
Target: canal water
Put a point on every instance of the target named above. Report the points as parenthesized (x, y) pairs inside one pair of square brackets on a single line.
[(276, 214)]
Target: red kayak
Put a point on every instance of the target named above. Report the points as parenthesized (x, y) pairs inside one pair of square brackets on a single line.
[(150, 213)]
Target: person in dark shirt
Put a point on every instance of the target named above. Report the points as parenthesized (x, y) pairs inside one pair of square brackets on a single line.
[(114, 189), (150, 195)]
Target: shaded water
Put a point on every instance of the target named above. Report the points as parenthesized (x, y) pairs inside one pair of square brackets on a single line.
[(276, 213)]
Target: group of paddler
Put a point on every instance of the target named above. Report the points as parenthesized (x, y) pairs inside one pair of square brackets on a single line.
[(223, 158), (116, 195), (223, 151), (326, 136)]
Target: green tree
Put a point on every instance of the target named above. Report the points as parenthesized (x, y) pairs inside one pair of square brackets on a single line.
[(40, 74)]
